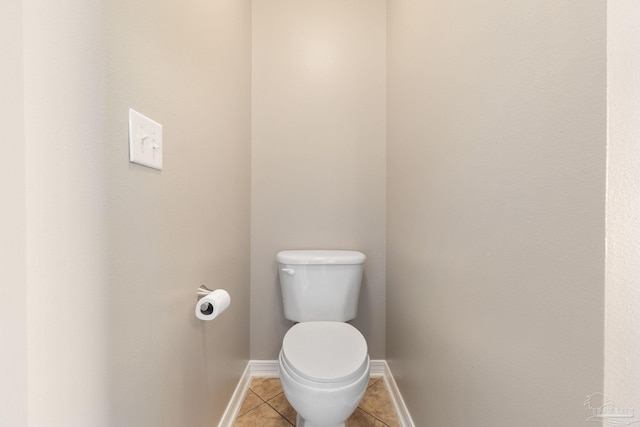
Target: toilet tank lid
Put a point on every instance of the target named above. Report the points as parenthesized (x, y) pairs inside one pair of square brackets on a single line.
[(320, 257)]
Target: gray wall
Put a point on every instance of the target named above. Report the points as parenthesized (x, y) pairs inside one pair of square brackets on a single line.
[(318, 150), (495, 202), (186, 65), (496, 184), (115, 251)]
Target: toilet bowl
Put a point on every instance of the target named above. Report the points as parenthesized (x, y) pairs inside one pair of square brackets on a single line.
[(324, 371)]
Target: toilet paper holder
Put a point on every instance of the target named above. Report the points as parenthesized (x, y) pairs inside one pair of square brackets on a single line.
[(203, 291)]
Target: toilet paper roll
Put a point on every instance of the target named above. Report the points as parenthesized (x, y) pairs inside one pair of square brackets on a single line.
[(210, 306)]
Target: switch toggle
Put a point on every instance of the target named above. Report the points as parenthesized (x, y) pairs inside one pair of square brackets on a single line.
[(145, 141)]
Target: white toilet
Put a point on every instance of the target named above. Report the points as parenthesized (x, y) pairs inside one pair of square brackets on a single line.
[(324, 362)]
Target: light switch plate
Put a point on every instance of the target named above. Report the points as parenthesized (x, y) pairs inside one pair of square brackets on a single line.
[(145, 140)]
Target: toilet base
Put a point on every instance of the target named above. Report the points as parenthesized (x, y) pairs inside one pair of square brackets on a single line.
[(302, 423), (321, 405)]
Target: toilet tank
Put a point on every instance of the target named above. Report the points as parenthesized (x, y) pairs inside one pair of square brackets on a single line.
[(320, 284)]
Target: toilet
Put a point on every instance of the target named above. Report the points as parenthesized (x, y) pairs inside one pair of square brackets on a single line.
[(324, 361)]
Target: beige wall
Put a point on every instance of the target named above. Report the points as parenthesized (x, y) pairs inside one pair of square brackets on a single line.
[(318, 150), (622, 336), (67, 273), (13, 289), (115, 251), (496, 185)]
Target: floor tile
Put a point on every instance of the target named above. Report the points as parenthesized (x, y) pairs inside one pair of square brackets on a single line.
[(266, 388), (375, 410), (263, 416), (251, 400), (280, 404), (361, 419), (373, 380), (377, 403)]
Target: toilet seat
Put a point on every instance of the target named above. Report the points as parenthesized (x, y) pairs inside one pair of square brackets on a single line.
[(325, 352)]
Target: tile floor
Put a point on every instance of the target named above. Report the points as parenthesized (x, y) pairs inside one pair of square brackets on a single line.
[(264, 405)]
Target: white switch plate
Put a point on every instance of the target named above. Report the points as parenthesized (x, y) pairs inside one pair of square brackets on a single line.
[(145, 140)]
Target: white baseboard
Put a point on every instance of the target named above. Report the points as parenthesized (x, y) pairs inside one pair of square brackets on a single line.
[(377, 368), (269, 369), (264, 368), (237, 397), (254, 369), (396, 398)]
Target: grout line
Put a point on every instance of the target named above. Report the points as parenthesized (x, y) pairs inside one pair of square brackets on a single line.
[(244, 398), (257, 395), (267, 401), (246, 413), (279, 413), (376, 418), (373, 416), (374, 383)]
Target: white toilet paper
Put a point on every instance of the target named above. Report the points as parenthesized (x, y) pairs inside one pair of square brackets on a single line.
[(210, 306)]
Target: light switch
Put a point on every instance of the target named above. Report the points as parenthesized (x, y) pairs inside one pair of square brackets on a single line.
[(145, 140)]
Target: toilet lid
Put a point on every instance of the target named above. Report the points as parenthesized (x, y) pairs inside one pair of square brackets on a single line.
[(325, 351)]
